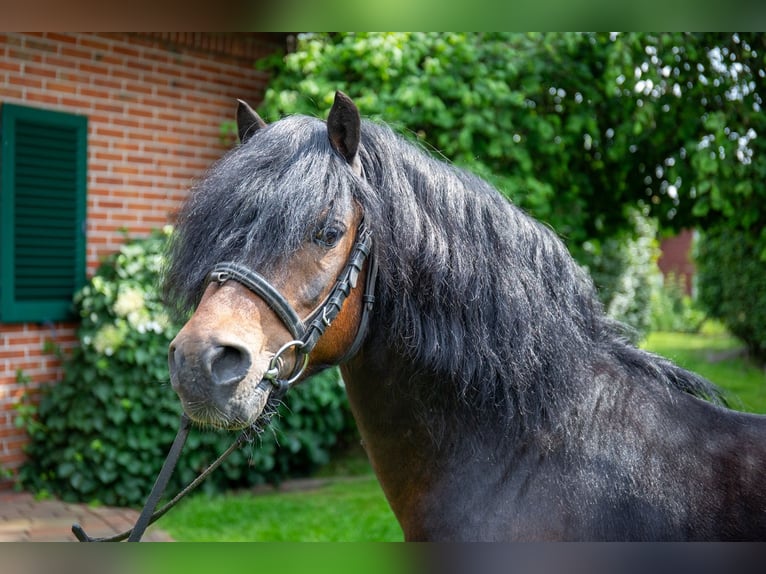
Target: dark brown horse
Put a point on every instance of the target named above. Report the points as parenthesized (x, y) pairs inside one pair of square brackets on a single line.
[(494, 398)]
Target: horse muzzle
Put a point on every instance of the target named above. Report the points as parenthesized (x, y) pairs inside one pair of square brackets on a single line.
[(219, 382)]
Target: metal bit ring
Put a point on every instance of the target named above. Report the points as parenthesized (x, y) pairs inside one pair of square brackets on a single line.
[(276, 362)]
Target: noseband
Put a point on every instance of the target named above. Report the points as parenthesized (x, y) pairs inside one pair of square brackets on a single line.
[(306, 333)]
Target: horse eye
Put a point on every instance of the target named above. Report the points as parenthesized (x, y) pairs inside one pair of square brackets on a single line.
[(328, 236)]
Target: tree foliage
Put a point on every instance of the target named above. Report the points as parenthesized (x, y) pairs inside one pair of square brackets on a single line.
[(732, 284), (578, 129), (625, 269)]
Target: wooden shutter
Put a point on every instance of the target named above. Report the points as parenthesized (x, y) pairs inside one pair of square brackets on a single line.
[(43, 162)]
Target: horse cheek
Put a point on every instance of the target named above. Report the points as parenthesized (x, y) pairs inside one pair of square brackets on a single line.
[(340, 334)]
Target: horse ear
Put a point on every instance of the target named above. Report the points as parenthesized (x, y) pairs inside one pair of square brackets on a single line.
[(248, 121), (343, 128)]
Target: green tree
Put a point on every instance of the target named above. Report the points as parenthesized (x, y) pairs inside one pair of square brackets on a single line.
[(716, 167), (521, 110), (580, 130), (732, 284)]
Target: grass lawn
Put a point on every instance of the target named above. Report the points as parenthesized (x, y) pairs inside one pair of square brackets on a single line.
[(343, 510), (714, 355), (356, 510)]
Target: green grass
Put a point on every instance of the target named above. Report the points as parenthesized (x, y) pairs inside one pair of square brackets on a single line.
[(344, 510), (716, 356), (356, 510)]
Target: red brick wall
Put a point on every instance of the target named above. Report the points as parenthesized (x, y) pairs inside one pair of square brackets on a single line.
[(155, 104)]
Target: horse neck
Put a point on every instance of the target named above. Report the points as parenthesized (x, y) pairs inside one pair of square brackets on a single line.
[(628, 441), (421, 455)]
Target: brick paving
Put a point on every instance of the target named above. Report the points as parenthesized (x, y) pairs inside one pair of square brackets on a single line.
[(24, 519)]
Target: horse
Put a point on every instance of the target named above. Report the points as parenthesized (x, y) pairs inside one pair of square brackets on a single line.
[(494, 398)]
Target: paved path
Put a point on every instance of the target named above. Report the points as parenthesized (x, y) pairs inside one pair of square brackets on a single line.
[(24, 519)]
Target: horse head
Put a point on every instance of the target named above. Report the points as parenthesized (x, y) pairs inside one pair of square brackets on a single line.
[(255, 333)]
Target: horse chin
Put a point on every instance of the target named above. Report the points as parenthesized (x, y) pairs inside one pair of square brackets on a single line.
[(241, 410)]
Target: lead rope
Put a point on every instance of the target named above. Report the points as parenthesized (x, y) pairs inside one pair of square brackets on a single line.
[(148, 516)]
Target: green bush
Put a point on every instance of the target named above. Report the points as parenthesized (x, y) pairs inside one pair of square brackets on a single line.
[(102, 433), (673, 310), (498, 104), (731, 265), (624, 270)]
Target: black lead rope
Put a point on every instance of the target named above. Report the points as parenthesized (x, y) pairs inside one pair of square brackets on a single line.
[(148, 515)]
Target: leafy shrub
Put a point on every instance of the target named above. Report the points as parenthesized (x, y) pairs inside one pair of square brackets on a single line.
[(731, 265), (624, 270), (674, 310), (102, 432)]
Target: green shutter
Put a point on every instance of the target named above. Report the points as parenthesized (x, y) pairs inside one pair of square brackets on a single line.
[(43, 162)]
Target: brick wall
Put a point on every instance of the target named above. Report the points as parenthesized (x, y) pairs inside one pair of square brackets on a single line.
[(155, 104)]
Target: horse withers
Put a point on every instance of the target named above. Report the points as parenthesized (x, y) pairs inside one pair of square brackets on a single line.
[(494, 398)]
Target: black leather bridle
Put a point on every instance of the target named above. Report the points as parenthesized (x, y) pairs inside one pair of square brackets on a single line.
[(306, 334)]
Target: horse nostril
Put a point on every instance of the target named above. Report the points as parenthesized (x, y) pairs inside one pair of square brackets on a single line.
[(177, 365), (176, 358), (228, 365)]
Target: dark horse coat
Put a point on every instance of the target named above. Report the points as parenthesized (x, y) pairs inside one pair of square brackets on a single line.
[(494, 398)]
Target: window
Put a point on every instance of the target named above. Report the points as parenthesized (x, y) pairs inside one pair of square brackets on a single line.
[(43, 159)]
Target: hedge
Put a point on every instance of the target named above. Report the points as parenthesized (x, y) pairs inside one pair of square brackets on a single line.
[(732, 283)]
